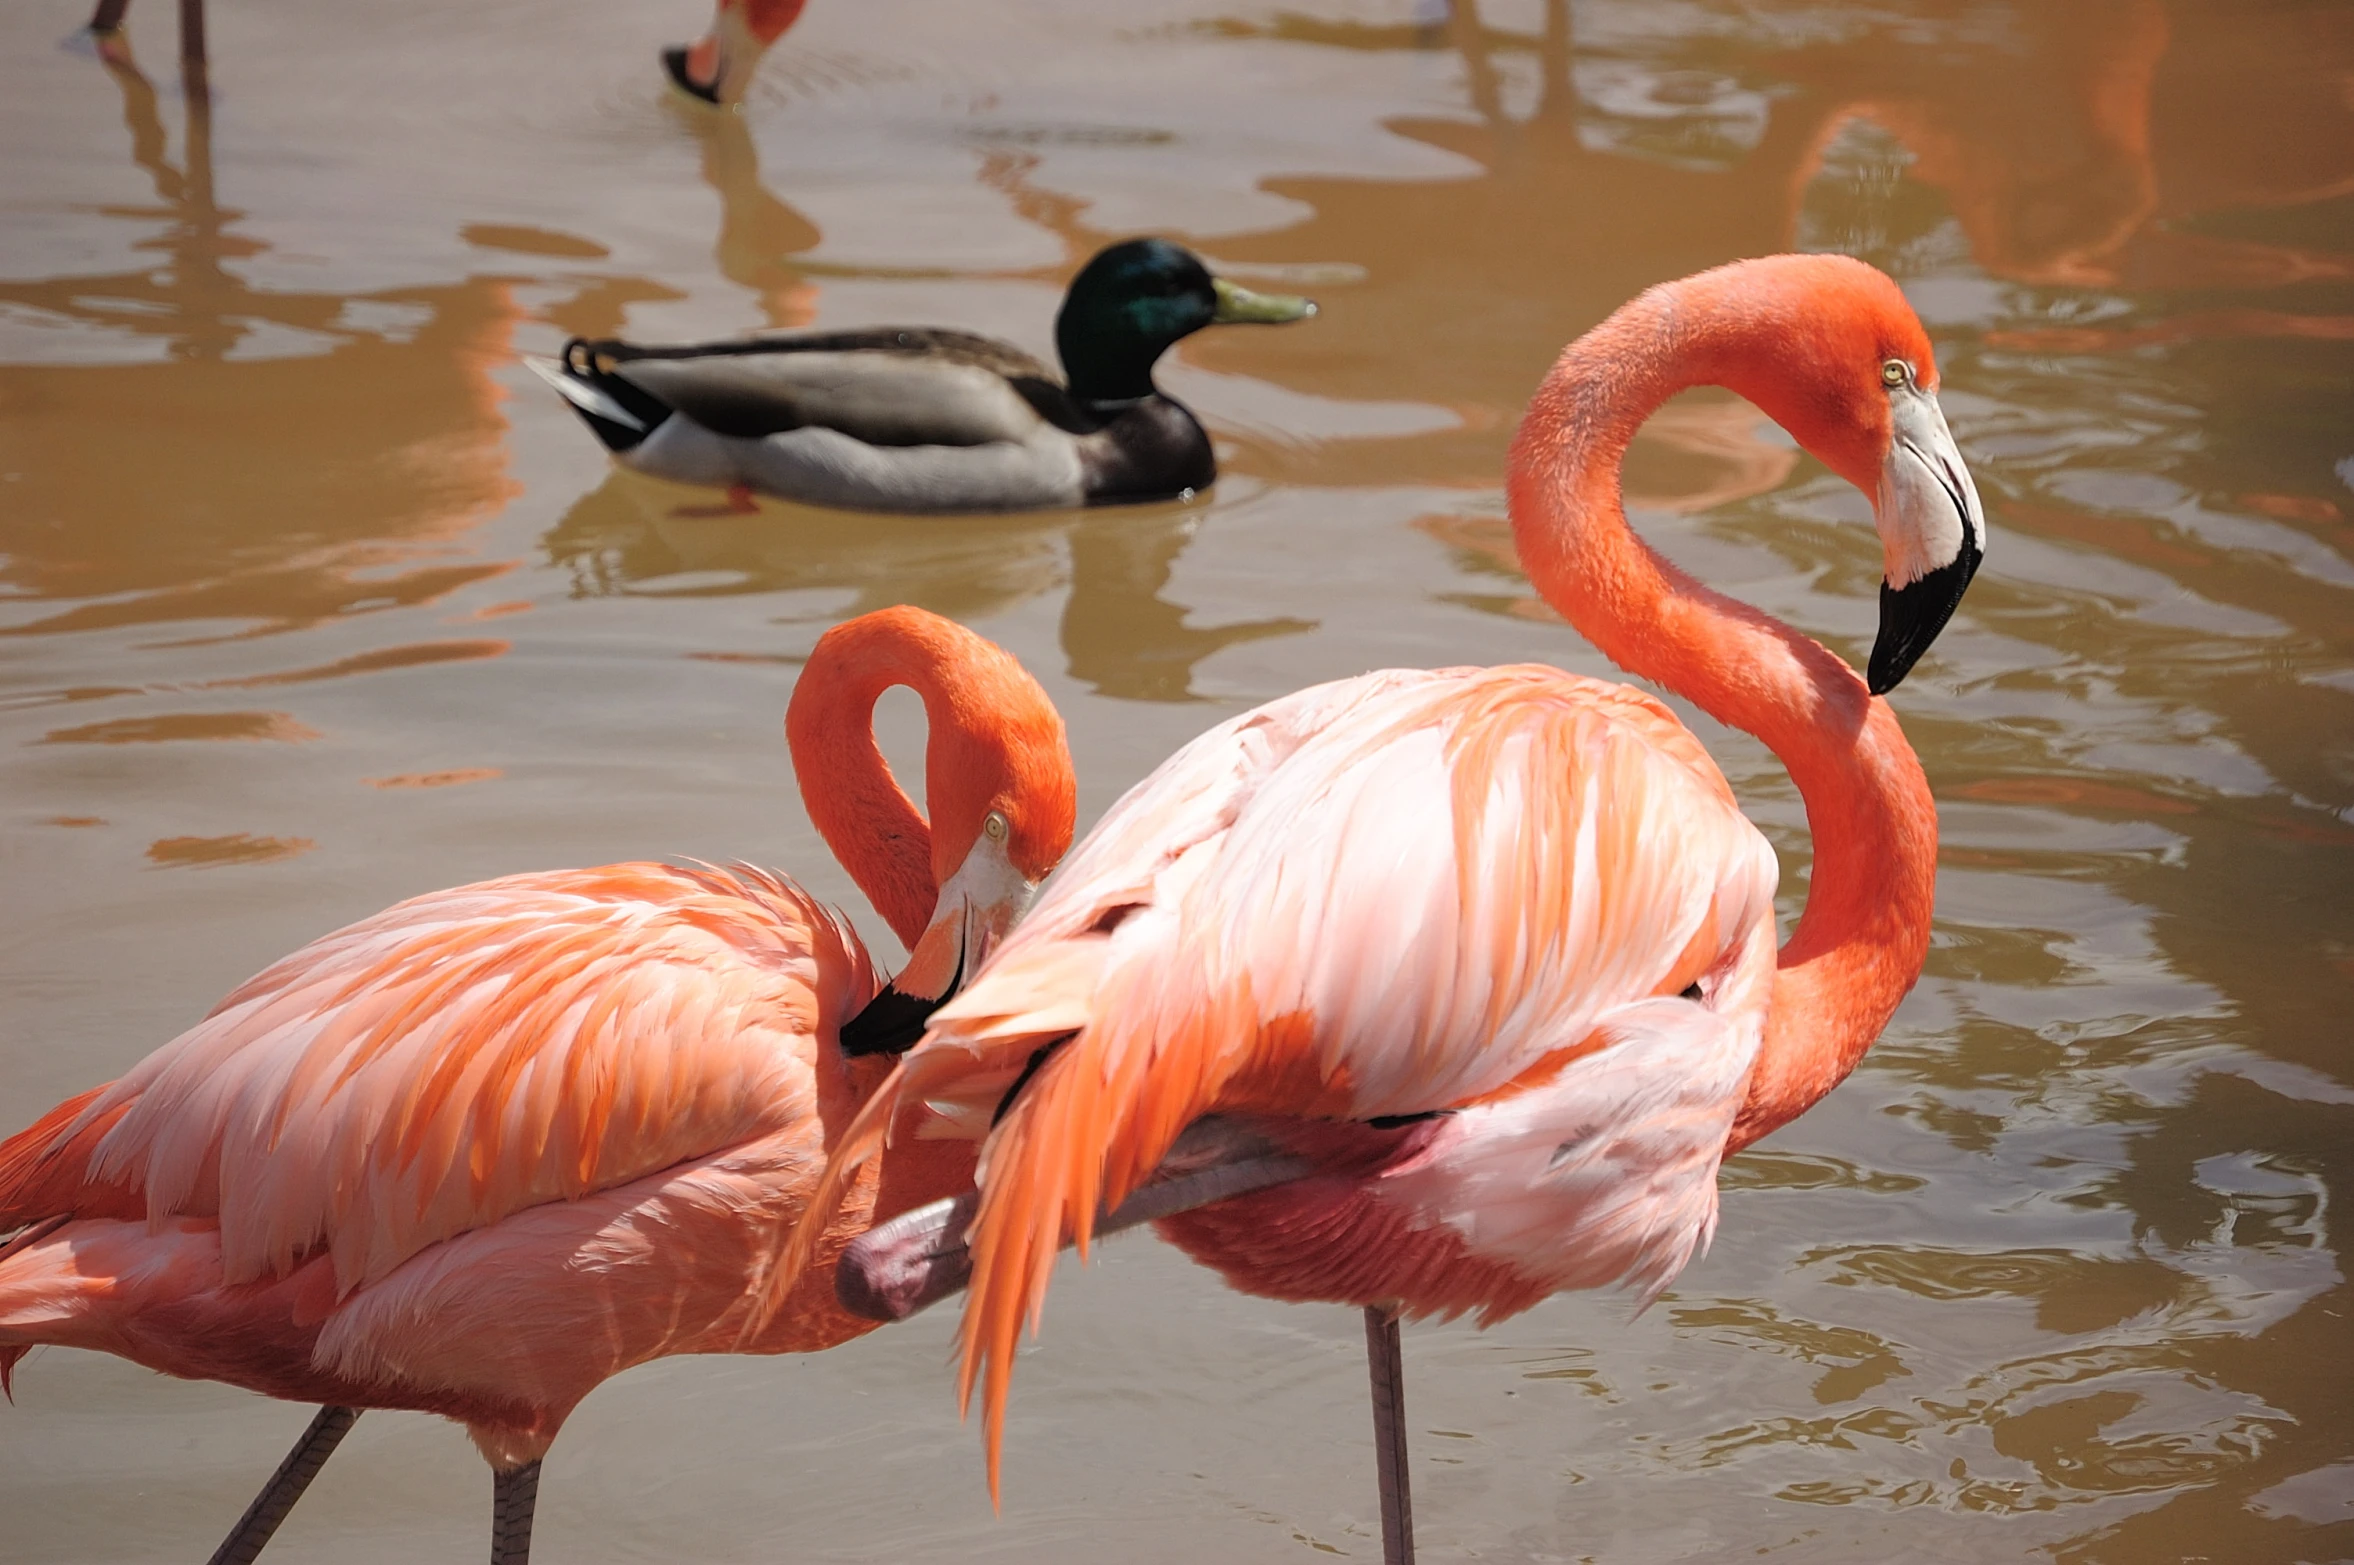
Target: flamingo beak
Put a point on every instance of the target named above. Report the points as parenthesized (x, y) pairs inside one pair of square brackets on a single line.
[(977, 907), (1932, 534)]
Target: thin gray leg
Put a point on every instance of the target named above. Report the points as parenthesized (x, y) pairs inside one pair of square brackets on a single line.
[(1384, 1359), (286, 1485), (514, 1492)]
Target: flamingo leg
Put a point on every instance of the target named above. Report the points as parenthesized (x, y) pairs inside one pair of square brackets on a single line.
[(286, 1485), (109, 15), (514, 1494), (1385, 1359)]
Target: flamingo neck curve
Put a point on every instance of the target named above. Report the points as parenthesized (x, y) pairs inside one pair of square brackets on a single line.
[(873, 827), (1864, 933)]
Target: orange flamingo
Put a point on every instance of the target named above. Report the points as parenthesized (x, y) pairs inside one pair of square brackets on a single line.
[(1481, 963), (718, 66), (479, 1153)]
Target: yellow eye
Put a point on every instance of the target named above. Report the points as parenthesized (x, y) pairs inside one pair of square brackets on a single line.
[(1895, 373), (995, 825)]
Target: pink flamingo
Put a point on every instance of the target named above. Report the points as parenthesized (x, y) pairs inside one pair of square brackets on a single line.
[(718, 66), (1480, 963), (480, 1152)]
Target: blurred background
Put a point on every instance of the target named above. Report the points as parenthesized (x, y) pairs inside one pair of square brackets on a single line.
[(311, 599)]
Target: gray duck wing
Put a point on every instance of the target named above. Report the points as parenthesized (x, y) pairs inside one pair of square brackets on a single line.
[(936, 388)]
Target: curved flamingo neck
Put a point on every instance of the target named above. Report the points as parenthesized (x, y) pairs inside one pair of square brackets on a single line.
[(1863, 935), (875, 830)]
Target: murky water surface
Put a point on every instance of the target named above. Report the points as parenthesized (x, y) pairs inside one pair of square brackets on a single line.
[(311, 599)]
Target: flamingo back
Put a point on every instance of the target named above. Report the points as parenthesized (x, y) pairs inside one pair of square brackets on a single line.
[(460, 1057)]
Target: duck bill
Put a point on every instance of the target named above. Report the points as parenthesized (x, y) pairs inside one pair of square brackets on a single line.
[(912, 1262), (1237, 305), (977, 906), (1932, 534)]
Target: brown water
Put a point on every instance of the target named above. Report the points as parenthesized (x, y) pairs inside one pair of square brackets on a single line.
[(313, 600)]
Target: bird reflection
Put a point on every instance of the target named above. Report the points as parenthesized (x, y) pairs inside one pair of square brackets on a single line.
[(1477, 282), (2072, 143), (633, 534), (1121, 635), (299, 457), (757, 231)]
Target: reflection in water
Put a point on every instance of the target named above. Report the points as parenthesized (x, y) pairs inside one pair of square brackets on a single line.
[(633, 534), (758, 234), (2079, 143), (267, 458), (2075, 144), (640, 536), (1121, 636)]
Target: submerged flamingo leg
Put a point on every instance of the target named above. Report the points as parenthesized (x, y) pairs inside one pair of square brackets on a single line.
[(286, 1485), (514, 1492), (1385, 1359)]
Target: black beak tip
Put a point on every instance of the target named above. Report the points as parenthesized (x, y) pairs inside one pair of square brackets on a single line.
[(1911, 617), (892, 1022), (674, 62)]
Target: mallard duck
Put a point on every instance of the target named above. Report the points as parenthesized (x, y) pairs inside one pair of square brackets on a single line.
[(928, 419)]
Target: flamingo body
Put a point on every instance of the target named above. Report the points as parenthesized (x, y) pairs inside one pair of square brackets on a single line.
[(1494, 950), (473, 1155), (480, 1152)]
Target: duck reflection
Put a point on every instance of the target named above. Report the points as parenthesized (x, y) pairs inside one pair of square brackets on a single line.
[(198, 448), (638, 535), (1121, 635)]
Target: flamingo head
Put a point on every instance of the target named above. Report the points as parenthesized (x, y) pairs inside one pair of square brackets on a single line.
[(1840, 360), (1004, 802)]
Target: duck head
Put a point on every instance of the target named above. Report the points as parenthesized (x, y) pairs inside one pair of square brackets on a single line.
[(1133, 300)]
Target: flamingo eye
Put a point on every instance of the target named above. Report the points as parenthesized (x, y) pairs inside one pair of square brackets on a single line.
[(1894, 373), (996, 826)]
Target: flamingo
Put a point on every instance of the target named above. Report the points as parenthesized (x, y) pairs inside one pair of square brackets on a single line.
[(480, 1152), (1474, 971), (717, 67)]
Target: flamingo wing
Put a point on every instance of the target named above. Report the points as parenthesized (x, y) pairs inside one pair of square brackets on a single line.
[(1377, 897), (1601, 1173), (460, 1057)]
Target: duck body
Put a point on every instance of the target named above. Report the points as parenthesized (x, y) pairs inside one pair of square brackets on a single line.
[(928, 419)]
